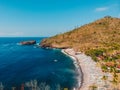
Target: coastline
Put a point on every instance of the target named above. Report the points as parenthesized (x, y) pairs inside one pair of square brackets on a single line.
[(77, 66), (91, 73)]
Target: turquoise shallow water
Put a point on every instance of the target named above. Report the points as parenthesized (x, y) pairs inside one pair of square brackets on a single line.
[(20, 64)]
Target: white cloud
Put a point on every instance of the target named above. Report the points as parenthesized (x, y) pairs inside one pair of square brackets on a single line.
[(11, 34), (101, 9)]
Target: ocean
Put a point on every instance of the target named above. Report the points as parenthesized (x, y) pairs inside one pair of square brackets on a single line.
[(33, 66)]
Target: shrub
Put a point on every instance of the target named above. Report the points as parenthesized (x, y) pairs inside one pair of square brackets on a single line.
[(94, 53)]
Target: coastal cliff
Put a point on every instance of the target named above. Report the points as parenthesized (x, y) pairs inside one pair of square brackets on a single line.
[(99, 34)]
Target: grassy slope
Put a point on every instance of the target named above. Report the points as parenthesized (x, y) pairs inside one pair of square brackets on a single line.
[(103, 33)]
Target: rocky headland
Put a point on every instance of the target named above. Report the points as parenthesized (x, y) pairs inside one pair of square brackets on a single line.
[(99, 40), (31, 42)]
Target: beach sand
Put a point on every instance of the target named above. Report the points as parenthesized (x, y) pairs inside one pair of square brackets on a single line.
[(91, 73)]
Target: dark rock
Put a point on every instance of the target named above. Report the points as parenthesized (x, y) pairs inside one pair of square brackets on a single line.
[(45, 44), (32, 42)]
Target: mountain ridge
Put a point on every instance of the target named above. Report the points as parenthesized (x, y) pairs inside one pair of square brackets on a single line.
[(93, 35)]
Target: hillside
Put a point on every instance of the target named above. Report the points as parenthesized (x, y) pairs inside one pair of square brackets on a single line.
[(99, 39), (103, 33)]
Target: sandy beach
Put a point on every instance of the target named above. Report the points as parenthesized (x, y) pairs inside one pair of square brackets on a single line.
[(91, 73)]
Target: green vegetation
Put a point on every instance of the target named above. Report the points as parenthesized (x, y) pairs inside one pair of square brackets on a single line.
[(94, 53)]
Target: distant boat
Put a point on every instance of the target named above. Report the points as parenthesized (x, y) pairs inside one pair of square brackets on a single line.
[(55, 60)]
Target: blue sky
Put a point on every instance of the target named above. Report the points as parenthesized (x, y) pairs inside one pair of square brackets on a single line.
[(50, 17)]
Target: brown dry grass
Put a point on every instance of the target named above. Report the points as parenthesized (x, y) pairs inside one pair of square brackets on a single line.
[(103, 33)]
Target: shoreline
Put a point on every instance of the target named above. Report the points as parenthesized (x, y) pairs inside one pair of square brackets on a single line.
[(91, 73), (78, 66)]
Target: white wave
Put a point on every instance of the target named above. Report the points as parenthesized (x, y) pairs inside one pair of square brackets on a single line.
[(18, 44), (37, 44), (55, 60)]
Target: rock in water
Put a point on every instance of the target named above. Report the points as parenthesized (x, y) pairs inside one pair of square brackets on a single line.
[(32, 42)]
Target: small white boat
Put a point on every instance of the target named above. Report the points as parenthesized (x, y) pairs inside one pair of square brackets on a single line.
[(55, 60)]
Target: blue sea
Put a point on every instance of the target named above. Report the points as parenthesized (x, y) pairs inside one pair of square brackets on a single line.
[(24, 64)]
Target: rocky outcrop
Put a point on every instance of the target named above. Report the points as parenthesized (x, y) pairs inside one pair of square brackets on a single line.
[(45, 44), (32, 42)]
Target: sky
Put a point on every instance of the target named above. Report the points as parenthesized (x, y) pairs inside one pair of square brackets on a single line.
[(39, 18)]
